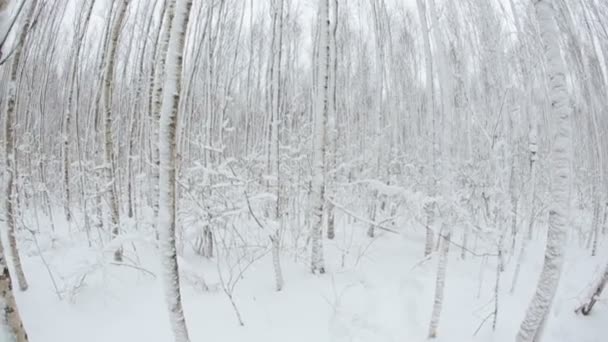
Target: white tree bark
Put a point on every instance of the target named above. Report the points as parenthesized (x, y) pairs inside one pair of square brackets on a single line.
[(321, 109), (109, 141), (274, 153), (332, 122), (378, 112), (168, 159), (9, 136), (430, 109), (560, 180), (157, 93), (9, 313), (439, 285), (79, 35)]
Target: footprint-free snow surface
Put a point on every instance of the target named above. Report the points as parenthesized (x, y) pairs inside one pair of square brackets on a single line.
[(374, 290)]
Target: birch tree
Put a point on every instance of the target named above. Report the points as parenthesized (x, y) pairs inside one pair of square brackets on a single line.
[(9, 313), (110, 70), (178, 14), (156, 96), (9, 137), (532, 326), (277, 8), (332, 122), (430, 106), (79, 34), (439, 285), (321, 109)]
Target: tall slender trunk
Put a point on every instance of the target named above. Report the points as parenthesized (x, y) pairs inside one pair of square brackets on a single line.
[(157, 90), (333, 122), (134, 124), (78, 39), (532, 327), (321, 109), (9, 137), (275, 156), (440, 285), (377, 115), (430, 110), (168, 162), (109, 141)]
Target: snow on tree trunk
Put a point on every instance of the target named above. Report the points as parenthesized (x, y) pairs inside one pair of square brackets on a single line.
[(78, 41), (376, 116), (157, 93), (179, 19), (9, 314), (332, 122), (439, 285), (430, 109), (321, 108), (275, 239), (560, 179), (109, 141), (11, 326), (9, 137), (275, 143), (595, 219)]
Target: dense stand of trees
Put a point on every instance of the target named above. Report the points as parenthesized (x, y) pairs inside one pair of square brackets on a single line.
[(465, 118)]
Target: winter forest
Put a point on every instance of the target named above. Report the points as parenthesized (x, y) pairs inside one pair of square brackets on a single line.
[(304, 170)]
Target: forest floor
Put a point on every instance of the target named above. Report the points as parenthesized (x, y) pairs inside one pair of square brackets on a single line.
[(375, 290)]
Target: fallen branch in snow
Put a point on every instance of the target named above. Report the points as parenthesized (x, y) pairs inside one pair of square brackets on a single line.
[(134, 267), (483, 322), (587, 306), (423, 261)]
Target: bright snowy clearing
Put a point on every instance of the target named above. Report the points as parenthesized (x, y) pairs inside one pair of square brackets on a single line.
[(376, 290)]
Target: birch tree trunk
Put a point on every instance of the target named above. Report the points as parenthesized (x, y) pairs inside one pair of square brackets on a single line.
[(109, 141), (332, 122), (79, 35), (9, 136), (9, 313), (157, 93), (274, 153), (440, 285), (168, 159), (378, 111), (321, 108), (430, 109), (560, 179)]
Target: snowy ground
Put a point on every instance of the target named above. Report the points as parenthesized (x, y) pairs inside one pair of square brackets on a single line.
[(382, 293)]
